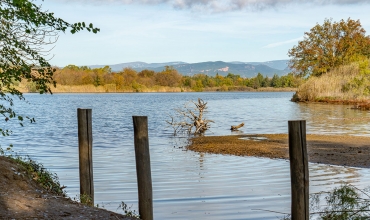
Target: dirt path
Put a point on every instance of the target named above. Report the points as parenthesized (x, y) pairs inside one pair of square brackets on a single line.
[(327, 149), (22, 198)]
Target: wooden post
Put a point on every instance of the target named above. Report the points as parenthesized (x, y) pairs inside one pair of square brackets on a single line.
[(299, 170), (85, 156), (144, 178)]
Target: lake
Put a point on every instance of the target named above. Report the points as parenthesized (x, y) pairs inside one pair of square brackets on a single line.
[(186, 185)]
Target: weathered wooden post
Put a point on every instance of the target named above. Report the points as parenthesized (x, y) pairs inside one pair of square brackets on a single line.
[(85, 156), (143, 171), (299, 170)]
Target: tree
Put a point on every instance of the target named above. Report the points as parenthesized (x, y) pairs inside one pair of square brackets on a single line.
[(24, 31), (129, 75), (328, 46), (257, 81), (99, 75), (146, 73), (168, 77), (266, 82), (276, 81)]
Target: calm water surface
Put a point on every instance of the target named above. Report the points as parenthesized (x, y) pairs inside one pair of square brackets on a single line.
[(186, 185)]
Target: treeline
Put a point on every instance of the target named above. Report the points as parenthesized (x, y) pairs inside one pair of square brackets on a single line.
[(130, 80), (199, 82)]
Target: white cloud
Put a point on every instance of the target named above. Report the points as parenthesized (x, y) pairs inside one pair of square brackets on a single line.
[(277, 44), (152, 31), (218, 6)]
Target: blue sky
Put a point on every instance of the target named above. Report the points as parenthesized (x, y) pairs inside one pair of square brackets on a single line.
[(192, 31)]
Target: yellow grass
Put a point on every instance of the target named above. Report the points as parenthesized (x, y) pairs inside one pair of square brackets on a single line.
[(272, 89), (26, 87), (334, 85), (109, 89)]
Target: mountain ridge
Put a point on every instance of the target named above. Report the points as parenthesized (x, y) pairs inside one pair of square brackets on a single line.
[(211, 68)]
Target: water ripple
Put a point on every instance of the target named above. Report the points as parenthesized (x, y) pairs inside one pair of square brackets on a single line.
[(186, 185)]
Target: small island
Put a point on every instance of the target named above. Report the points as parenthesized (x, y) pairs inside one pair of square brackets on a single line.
[(343, 150)]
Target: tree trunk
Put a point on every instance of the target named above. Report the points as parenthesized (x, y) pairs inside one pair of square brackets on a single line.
[(236, 127)]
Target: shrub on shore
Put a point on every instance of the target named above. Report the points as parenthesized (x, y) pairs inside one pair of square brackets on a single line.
[(36, 171)]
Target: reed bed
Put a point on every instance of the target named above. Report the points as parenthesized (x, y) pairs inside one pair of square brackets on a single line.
[(346, 83), (111, 88), (26, 87)]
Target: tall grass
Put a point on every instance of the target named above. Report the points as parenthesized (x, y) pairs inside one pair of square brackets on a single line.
[(346, 83), (107, 88)]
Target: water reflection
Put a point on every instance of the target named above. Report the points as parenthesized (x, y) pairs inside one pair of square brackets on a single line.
[(237, 132), (334, 119), (322, 175), (201, 168)]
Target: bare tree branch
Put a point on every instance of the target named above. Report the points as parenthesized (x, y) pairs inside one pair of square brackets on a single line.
[(189, 119)]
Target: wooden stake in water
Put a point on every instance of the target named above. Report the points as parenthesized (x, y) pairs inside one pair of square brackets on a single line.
[(143, 171), (299, 170), (85, 155)]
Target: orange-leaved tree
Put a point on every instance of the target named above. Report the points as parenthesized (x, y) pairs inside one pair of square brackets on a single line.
[(328, 46)]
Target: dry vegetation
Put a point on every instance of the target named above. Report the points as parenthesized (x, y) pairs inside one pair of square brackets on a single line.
[(348, 84), (110, 88), (99, 80), (328, 149)]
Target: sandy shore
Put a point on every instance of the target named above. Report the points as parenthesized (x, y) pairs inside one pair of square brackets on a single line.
[(327, 149)]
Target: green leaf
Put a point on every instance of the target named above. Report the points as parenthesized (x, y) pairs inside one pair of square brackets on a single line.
[(20, 18)]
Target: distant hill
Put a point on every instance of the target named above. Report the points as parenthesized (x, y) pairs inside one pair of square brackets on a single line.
[(244, 69), (275, 64), (136, 65)]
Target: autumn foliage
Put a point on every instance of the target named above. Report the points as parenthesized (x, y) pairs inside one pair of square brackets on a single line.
[(336, 57), (169, 79), (329, 46)]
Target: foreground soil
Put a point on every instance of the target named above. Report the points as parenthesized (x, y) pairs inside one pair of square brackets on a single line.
[(327, 149), (22, 198)]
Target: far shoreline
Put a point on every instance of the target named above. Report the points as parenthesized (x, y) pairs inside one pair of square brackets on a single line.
[(157, 89)]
